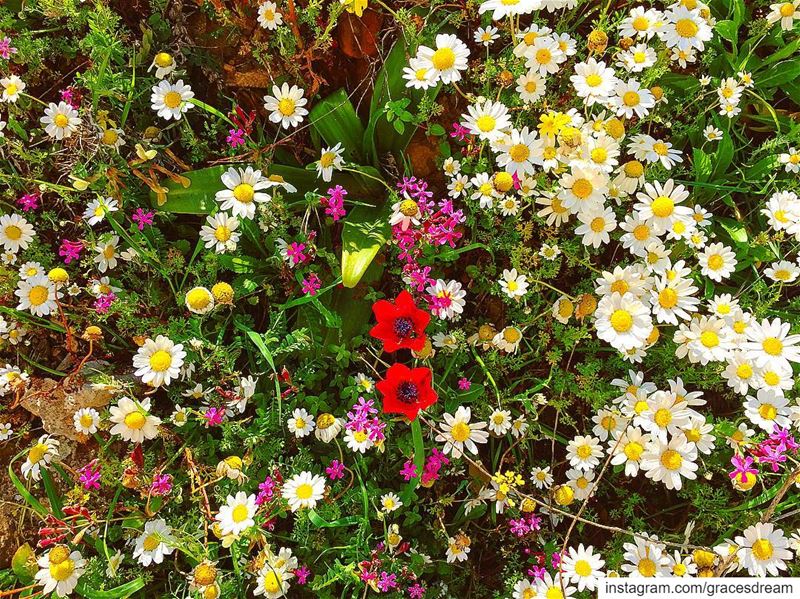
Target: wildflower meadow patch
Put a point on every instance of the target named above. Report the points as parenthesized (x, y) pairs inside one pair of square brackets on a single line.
[(421, 299)]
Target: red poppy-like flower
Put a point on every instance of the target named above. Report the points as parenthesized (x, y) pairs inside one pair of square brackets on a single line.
[(400, 324), (407, 390)]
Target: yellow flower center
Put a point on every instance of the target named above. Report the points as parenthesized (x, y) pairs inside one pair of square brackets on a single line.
[(633, 451), (286, 106), (37, 452), (304, 491), (709, 339), (38, 295), (639, 57), (110, 137), (641, 23), (172, 99), (205, 574), (485, 123), (326, 160), (543, 56), (222, 233), (762, 549), (460, 431), (662, 206), (599, 155), (86, 420), (421, 74), (787, 9), (620, 287), (686, 28), (61, 120), (443, 59), (744, 371), (630, 99), (244, 193), (135, 420), (13, 232), (271, 582), (63, 570), (771, 378), (582, 188), (11, 89), (646, 567), (565, 308), (198, 298), (299, 423), (240, 513), (767, 411), (782, 275), (660, 148), (584, 451), (163, 60), (58, 554), (668, 298), (582, 568), (679, 570), (692, 434), (663, 417), (109, 251), (503, 181), (621, 321), (671, 460), (160, 361), (519, 152), (408, 208), (151, 542), (593, 80), (773, 346), (531, 86)]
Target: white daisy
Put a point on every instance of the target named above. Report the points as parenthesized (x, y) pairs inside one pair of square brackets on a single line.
[(301, 423), (670, 462), (133, 420), (38, 295), (458, 433), (448, 59), (330, 159), (86, 420), (763, 549), (285, 105), (154, 543), (488, 120), (243, 191), (303, 490), (171, 100), (631, 99), (60, 570), (268, 16), (237, 515), (159, 361), (623, 321), (767, 409), (514, 285)]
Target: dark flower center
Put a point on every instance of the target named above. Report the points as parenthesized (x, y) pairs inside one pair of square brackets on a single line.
[(403, 327), (407, 392)]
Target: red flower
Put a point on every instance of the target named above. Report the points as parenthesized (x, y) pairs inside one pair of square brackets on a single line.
[(400, 324), (407, 390)]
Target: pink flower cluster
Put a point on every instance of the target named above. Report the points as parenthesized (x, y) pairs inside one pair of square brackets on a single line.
[(6, 49), (334, 202), (430, 471), (526, 525), (773, 449), (362, 418), (438, 224)]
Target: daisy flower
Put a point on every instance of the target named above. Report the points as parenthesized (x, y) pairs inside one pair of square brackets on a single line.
[(419, 74), (685, 29), (500, 422), (541, 478), (580, 481), (623, 321), (38, 295), (554, 211), (133, 421), (60, 120), (39, 456), (505, 8), (763, 549), (631, 99), (516, 152), (16, 232), (791, 160), (243, 191), (199, 300), (447, 299), (159, 361), (487, 120), (654, 150), (717, 262), (86, 420), (97, 209), (447, 60), (486, 36), (637, 58), (767, 409), (596, 225), (405, 213), (662, 204), (583, 567), (584, 452), (301, 423), (272, 582), (641, 22), (670, 462), (784, 12), (285, 105), (514, 285), (171, 100), (154, 543), (237, 515), (783, 271), (458, 433), (629, 448), (303, 490), (106, 253), (59, 570), (390, 502), (163, 63), (268, 16), (770, 345), (673, 300), (220, 232), (13, 86), (544, 56), (583, 187), (330, 159), (530, 87)]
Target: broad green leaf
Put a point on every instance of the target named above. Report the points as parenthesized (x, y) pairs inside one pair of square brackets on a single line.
[(24, 563), (724, 154), (198, 198), (365, 232), (783, 72), (702, 164), (735, 229), (335, 119), (728, 30)]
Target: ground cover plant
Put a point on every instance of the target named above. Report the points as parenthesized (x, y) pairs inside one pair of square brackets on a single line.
[(446, 298)]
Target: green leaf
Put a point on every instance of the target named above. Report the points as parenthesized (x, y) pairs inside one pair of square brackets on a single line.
[(320, 522), (702, 164), (728, 30), (198, 198), (783, 72), (735, 229), (24, 564), (335, 119), (365, 232), (724, 153), (121, 592)]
